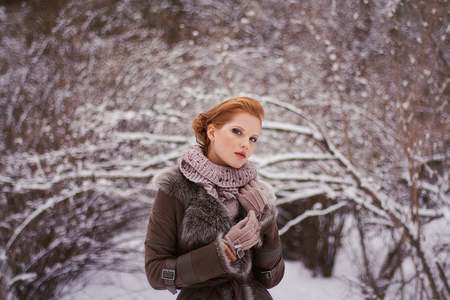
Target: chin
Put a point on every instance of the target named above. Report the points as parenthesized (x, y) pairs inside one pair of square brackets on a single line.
[(236, 165)]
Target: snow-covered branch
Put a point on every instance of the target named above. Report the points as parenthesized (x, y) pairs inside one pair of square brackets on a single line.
[(312, 213), (50, 203), (287, 127), (273, 159)]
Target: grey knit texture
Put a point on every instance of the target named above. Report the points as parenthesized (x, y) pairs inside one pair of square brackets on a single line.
[(219, 181)]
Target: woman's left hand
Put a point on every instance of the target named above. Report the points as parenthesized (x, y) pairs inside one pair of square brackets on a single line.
[(251, 198)]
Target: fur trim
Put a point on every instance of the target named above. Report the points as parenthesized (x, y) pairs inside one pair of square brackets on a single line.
[(271, 214), (170, 180), (267, 191), (198, 227), (246, 292), (239, 268), (226, 291)]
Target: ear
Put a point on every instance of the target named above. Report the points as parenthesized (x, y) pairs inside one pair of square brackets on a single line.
[(210, 132)]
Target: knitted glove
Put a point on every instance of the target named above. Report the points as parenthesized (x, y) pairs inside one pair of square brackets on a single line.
[(251, 198), (243, 235)]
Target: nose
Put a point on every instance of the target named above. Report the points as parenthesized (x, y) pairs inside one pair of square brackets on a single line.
[(244, 145)]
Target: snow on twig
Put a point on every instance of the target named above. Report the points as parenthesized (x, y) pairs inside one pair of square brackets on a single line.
[(273, 159), (126, 171), (287, 127), (311, 213), (305, 176), (134, 136), (42, 208), (299, 194), (22, 277), (5, 179), (378, 221), (317, 135)]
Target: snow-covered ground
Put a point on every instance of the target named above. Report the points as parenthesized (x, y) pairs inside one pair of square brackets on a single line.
[(297, 284)]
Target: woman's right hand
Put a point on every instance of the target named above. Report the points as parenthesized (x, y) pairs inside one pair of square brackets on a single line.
[(243, 235)]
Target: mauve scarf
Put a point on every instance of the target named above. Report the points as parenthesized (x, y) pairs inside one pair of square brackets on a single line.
[(220, 182)]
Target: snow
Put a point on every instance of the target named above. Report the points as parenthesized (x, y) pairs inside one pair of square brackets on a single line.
[(302, 194), (296, 284), (446, 213), (24, 277), (310, 213), (42, 208), (287, 127), (263, 162), (302, 176), (317, 135), (147, 136)]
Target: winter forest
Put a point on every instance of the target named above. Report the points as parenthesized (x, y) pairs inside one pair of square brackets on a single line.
[(97, 96)]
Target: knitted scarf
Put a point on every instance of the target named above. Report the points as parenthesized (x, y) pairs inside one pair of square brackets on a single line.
[(219, 181)]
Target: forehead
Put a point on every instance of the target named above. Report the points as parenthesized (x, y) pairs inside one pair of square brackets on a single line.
[(246, 121)]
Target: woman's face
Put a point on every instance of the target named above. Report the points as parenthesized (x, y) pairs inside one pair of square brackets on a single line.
[(233, 144)]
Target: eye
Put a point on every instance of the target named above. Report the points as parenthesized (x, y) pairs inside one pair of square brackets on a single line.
[(237, 131), (253, 139)]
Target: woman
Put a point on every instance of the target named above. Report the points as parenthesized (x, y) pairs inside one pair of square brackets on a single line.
[(212, 231)]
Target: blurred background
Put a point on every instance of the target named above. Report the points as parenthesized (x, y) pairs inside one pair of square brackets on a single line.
[(97, 96)]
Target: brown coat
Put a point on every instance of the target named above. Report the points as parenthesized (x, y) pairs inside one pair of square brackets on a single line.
[(185, 232)]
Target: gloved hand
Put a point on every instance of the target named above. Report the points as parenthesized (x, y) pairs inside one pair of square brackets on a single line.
[(243, 235), (251, 198)]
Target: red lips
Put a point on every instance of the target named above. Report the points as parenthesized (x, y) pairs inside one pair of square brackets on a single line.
[(241, 154)]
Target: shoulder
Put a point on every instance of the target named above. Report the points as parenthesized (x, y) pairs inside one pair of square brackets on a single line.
[(267, 191), (166, 178), (272, 212), (172, 182)]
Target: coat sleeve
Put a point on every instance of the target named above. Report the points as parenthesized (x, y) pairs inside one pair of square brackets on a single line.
[(267, 256), (190, 268)]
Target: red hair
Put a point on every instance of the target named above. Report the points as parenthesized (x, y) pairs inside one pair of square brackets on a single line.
[(221, 114)]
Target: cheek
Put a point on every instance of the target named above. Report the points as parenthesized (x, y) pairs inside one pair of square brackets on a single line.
[(251, 149), (226, 140)]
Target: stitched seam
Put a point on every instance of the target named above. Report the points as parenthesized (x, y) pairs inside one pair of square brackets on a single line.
[(268, 256), (149, 242), (187, 269)]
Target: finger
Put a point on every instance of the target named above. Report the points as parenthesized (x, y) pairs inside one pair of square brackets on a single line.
[(251, 227), (254, 240), (256, 205), (254, 185), (246, 188), (251, 201), (262, 196), (246, 235), (248, 239), (259, 200), (251, 242), (253, 220), (245, 202), (242, 222), (256, 202)]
